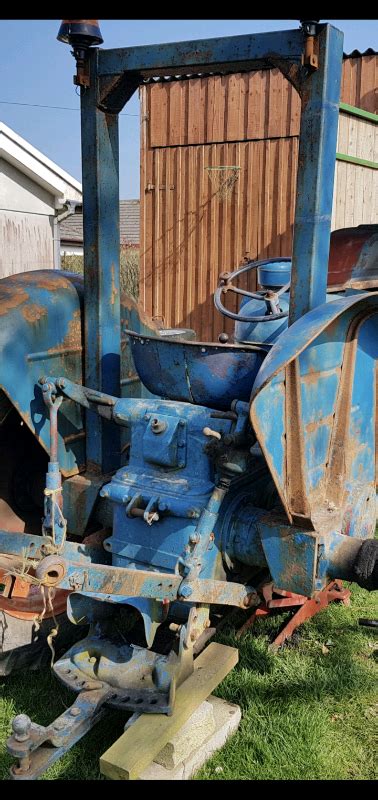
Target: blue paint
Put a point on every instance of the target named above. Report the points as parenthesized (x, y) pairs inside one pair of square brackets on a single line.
[(318, 343), (317, 155), (200, 54), (203, 373), (100, 165), (198, 510)]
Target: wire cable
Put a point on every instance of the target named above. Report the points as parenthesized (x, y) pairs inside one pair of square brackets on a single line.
[(60, 108)]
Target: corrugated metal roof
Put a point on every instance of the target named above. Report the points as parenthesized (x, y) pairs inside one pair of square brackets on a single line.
[(358, 54), (71, 228), (169, 78)]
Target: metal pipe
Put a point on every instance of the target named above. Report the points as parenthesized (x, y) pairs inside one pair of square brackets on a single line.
[(317, 157), (100, 166)]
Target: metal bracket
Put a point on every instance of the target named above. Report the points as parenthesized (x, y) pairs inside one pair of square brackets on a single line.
[(37, 747)]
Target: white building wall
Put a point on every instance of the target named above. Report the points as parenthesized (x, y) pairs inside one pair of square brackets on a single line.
[(26, 223), (32, 190), (26, 242)]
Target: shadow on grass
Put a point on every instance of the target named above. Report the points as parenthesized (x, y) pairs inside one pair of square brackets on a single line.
[(288, 687), (39, 695)]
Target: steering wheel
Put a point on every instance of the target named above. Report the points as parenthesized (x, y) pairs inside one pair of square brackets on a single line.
[(270, 297)]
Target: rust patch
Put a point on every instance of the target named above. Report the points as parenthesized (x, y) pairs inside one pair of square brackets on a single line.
[(10, 298), (33, 312), (72, 338), (46, 282), (313, 426), (114, 288)]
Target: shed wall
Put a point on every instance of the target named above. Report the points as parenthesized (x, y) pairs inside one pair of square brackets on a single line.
[(189, 234)]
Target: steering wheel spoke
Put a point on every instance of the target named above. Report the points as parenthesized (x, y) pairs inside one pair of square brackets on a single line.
[(271, 298)]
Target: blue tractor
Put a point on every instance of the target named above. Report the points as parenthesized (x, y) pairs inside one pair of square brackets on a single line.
[(218, 468)]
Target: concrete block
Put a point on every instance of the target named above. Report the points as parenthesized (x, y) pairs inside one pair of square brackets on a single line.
[(192, 735), (226, 718)]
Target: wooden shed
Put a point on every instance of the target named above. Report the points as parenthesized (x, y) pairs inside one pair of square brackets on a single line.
[(197, 221)]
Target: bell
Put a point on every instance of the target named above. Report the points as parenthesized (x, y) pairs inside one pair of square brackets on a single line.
[(80, 32)]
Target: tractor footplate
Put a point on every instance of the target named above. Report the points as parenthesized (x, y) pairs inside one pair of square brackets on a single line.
[(138, 679), (143, 698)]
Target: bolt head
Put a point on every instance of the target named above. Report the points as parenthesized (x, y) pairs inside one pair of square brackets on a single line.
[(186, 591), (75, 711)]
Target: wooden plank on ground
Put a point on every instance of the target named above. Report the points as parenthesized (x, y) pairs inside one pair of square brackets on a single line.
[(139, 744)]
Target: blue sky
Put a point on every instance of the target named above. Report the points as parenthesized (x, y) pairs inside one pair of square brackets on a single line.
[(37, 69)]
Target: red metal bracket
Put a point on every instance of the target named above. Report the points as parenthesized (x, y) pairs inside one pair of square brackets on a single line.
[(308, 607)]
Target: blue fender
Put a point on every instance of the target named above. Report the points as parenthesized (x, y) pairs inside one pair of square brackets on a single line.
[(313, 412), (41, 321)]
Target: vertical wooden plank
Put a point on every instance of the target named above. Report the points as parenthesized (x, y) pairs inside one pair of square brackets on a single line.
[(342, 169), (255, 117), (266, 205), (201, 261), (233, 210), (185, 163), (358, 82), (295, 112), (354, 92), (291, 196), (358, 198), (371, 142), (335, 193), (191, 239), (168, 233), (148, 197), (346, 78), (254, 187), (275, 99), (211, 109), (185, 111), (244, 78), (142, 207), (247, 197), (349, 194), (158, 115), (157, 306), (218, 109), (368, 84), (352, 137), (343, 133), (176, 117), (267, 75), (177, 293), (280, 190), (239, 248), (242, 210), (370, 197), (339, 202), (232, 108), (196, 110), (208, 242), (287, 90), (217, 320)]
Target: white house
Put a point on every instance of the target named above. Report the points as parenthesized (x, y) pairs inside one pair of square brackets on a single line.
[(34, 195)]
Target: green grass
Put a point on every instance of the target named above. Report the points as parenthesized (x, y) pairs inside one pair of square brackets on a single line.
[(306, 714)]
